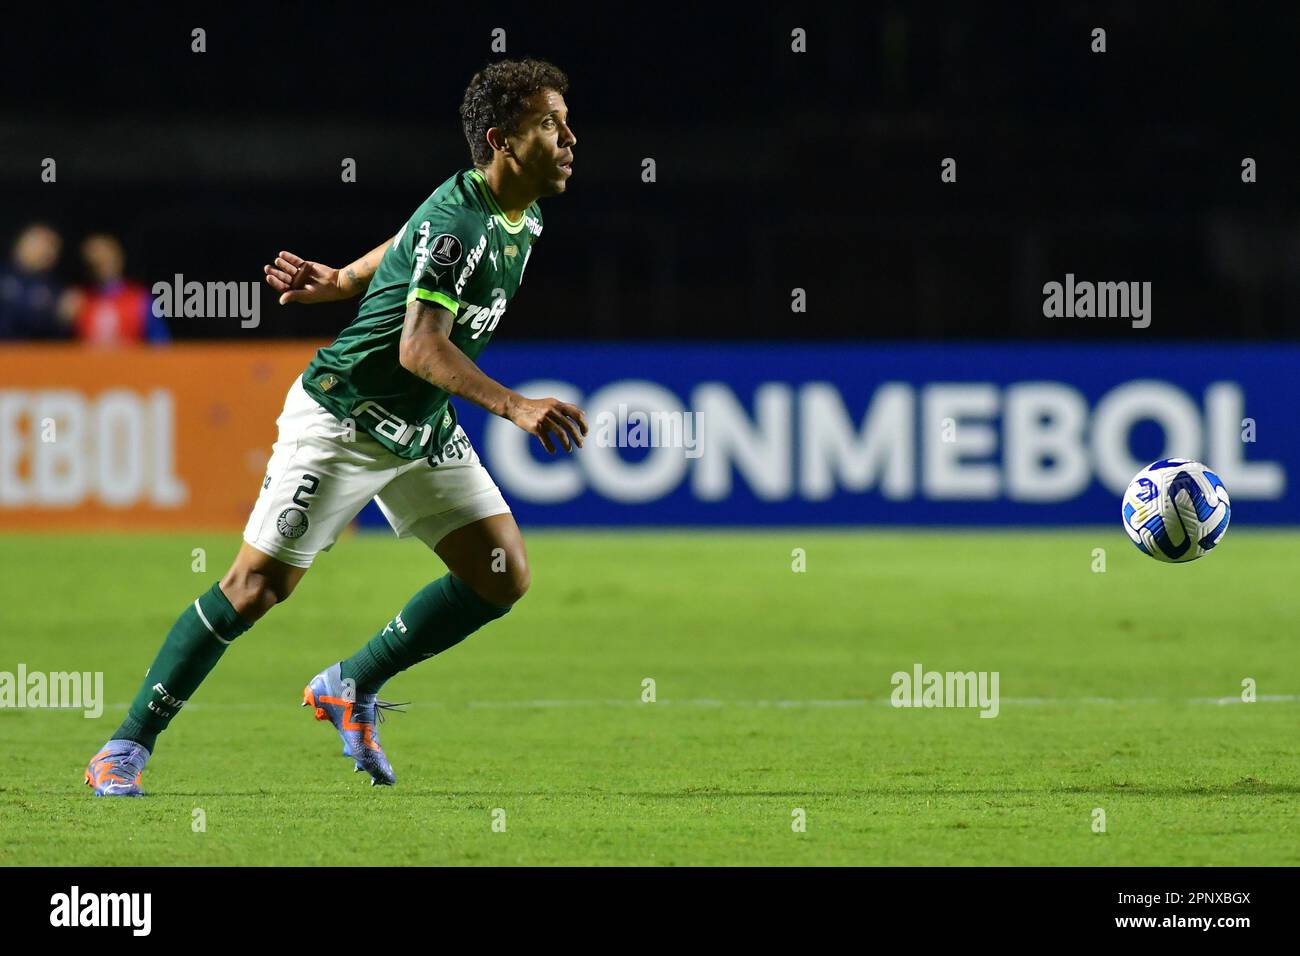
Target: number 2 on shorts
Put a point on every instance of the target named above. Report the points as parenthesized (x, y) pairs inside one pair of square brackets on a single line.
[(306, 489)]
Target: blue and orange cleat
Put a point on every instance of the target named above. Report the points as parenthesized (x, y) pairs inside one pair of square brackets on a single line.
[(356, 720), (115, 771)]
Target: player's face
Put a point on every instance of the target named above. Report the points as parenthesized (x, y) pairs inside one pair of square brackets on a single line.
[(543, 144)]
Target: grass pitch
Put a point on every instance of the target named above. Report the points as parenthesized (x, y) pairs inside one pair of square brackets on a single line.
[(772, 696)]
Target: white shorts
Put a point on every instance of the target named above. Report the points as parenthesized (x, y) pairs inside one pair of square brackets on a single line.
[(320, 476)]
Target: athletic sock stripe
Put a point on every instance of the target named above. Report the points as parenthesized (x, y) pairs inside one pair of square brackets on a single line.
[(204, 618)]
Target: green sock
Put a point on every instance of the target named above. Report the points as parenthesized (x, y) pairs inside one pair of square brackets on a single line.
[(193, 646), (441, 615)]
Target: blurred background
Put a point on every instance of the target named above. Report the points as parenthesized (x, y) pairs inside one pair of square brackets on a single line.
[(818, 170), (776, 170)]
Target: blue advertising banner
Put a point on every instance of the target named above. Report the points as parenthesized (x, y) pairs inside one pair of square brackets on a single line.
[(890, 434)]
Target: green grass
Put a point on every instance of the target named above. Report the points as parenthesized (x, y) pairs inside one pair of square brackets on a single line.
[(772, 694)]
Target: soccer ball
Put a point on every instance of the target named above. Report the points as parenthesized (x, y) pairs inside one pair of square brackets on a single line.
[(1176, 510)]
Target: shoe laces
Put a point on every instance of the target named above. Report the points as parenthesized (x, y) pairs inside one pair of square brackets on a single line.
[(384, 705)]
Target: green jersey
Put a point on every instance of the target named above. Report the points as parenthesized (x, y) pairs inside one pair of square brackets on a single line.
[(458, 251)]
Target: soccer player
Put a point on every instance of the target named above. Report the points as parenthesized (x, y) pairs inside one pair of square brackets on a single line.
[(371, 418)]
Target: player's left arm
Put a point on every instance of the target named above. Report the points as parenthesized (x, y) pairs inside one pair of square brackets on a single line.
[(300, 280)]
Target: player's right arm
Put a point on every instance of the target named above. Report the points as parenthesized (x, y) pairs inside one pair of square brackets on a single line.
[(299, 280), (427, 352)]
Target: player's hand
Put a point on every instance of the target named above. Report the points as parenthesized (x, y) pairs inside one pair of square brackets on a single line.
[(551, 420), (298, 280)]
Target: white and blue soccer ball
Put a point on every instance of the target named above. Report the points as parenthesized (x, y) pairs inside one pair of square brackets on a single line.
[(1176, 510)]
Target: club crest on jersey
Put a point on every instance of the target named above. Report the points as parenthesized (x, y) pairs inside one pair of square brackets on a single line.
[(444, 249), (292, 523)]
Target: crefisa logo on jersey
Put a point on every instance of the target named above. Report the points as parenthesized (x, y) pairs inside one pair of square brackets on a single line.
[(444, 249), (470, 262)]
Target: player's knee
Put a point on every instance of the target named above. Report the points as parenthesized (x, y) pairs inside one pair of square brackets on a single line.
[(252, 594), (518, 584), (506, 586)]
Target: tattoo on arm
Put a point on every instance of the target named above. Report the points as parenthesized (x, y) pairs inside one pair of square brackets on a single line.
[(429, 354), (357, 275)]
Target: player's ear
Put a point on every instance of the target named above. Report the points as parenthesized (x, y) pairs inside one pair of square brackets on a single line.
[(497, 140)]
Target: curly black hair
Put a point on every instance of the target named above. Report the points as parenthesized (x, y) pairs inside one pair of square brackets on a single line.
[(495, 97)]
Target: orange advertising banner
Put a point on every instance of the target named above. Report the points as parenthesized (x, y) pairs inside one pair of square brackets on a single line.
[(139, 438)]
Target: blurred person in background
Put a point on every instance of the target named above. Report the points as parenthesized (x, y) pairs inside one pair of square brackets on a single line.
[(113, 310), (29, 291)]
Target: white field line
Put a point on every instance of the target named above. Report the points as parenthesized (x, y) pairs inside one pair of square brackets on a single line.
[(553, 703)]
